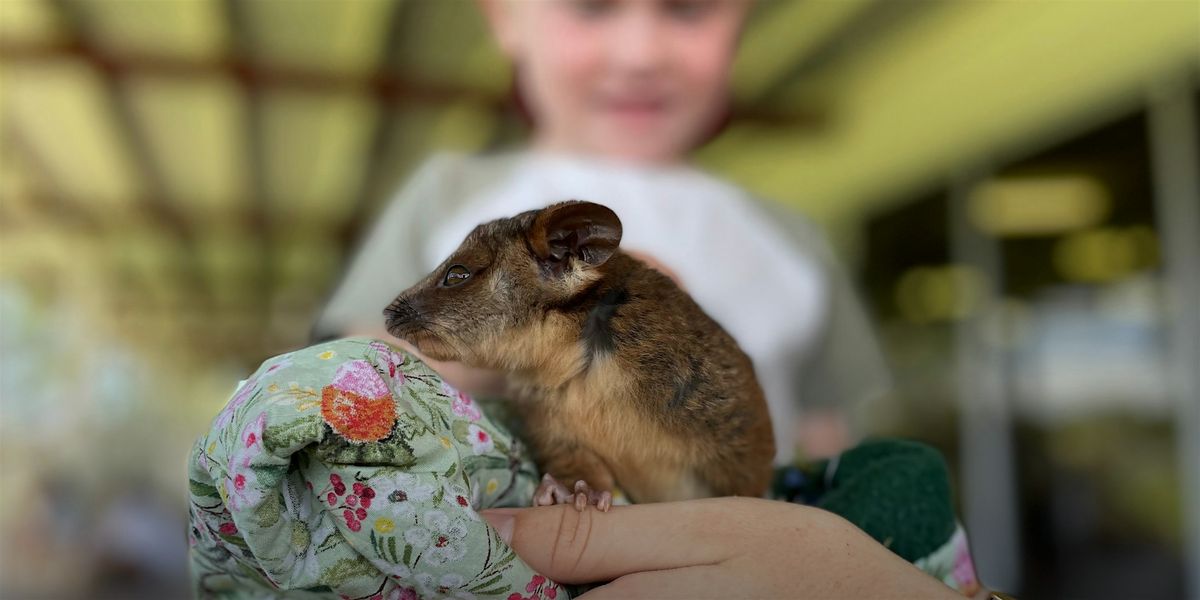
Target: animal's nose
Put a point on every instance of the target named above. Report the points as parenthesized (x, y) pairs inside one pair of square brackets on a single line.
[(399, 311)]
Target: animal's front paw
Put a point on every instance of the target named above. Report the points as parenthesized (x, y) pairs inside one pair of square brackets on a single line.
[(551, 492)]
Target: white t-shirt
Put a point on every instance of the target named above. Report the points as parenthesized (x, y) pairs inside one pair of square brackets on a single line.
[(770, 283)]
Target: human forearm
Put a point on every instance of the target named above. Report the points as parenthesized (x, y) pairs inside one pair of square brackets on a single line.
[(722, 547)]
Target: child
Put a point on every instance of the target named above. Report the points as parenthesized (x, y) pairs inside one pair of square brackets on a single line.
[(619, 92)]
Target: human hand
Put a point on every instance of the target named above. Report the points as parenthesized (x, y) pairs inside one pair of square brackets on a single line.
[(712, 548), (823, 433)]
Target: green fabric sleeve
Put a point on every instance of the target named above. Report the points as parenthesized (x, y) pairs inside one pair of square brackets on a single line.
[(350, 469)]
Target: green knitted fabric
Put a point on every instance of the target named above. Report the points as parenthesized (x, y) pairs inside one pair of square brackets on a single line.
[(898, 492), (895, 490)]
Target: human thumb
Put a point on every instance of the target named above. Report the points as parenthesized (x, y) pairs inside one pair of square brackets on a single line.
[(502, 520)]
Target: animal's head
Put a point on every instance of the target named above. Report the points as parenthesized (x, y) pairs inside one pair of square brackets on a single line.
[(489, 303)]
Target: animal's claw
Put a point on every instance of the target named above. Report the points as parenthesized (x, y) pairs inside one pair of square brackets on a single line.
[(551, 492)]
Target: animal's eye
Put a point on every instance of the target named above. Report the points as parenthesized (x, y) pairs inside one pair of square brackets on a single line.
[(455, 275)]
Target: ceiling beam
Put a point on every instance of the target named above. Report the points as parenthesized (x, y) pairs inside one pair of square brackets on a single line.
[(381, 85), (374, 181), (77, 20), (259, 219), (53, 203)]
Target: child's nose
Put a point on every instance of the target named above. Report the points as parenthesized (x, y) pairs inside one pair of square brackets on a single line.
[(639, 43)]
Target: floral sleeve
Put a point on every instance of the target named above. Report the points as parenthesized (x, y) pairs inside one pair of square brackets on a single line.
[(351, 470)]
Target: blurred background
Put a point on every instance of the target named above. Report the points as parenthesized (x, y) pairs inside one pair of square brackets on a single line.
[(1013, 186)]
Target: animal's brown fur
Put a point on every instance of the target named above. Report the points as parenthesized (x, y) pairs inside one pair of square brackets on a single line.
[(621, 378)]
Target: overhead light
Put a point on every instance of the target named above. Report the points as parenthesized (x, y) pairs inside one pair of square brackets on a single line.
[(932, 294), (1038, 205), (1105, 254)]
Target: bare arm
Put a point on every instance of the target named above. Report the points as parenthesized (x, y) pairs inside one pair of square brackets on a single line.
[(714, 548)]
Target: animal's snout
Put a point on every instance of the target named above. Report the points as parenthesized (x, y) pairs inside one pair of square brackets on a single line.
[(399, 312)]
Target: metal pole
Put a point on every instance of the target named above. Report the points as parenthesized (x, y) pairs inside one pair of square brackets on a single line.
[(988, 474), (1176, 166)]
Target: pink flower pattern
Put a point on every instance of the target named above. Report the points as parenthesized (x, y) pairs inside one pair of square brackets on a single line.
[(394, 360), (538, 588), (239, 398), (964, 567), (462, 404), (241, 482), (403, 593), (418, 529), (359, 377)]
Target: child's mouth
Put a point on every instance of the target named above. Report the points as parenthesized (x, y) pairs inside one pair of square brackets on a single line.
[(638, 113)]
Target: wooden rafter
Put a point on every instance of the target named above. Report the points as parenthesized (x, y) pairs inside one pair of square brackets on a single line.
[(382, 85), (383, 136), (154, 202), (255, 143)]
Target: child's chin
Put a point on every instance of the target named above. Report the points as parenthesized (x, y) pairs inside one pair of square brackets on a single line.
[(661, 152)]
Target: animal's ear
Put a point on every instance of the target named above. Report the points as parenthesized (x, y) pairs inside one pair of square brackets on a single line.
[(587, 231)]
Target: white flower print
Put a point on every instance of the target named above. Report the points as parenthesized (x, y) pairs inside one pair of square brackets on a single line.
[(481, 441)]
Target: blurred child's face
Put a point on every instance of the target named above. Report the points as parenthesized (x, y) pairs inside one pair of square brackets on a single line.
[(632, 79)]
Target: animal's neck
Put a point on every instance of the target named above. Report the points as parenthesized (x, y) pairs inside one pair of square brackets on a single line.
[(579, 337), (575, 345), (543, 355)]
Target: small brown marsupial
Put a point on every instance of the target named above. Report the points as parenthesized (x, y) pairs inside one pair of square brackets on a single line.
[(622, 381)]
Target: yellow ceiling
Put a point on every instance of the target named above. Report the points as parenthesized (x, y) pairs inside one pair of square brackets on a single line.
[(315, 147), (29, 20), (61, 115), (180, 29), (965, 84), (195, 128), (335, 35), (233, 145)]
